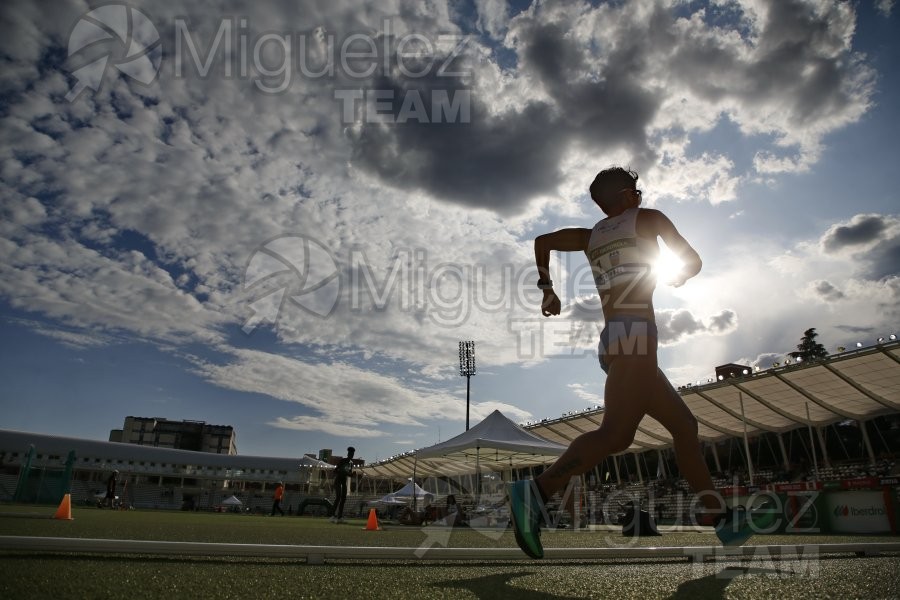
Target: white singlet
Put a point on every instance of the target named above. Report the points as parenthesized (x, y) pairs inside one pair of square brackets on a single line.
[(617, 255)]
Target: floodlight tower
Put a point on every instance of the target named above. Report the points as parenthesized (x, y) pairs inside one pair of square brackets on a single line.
[(467, 369)]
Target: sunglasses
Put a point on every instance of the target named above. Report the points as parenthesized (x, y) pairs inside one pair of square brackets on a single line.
[(638, 192)]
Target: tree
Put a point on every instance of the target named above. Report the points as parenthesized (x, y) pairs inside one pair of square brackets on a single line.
[(809, 348)]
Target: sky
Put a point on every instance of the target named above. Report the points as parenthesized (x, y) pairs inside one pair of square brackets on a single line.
[(284, 216)]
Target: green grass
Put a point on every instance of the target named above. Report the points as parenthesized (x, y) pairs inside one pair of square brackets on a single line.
[(24, 575)]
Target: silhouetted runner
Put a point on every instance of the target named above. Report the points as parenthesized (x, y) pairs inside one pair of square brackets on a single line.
[(621, 250)]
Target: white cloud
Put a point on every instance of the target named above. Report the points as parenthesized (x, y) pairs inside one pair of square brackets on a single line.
[(884, 7), (580, 391), (76, 340), (492, 16), (344, 399), (308, 423)]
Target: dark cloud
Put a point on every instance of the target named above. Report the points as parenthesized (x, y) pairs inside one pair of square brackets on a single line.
[(854, 329), (891, 309), (555, 58), (502, 161), (873, 240), (724, 321), (827, 291), (862, 229), (676, 324), (494, 162), (884, 259), (794, 38)]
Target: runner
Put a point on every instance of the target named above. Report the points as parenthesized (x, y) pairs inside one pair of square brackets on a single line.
[(621, 250)]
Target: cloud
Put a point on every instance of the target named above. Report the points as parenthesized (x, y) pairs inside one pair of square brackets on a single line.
[(724, 322), (493, 16), (76, 340), (307, 423), (861, 230), (514, 413), (335, 392), (337, 397), (884, 7), (871, 240), (580, 391), (676, 325), (826, 291), (855, 329)]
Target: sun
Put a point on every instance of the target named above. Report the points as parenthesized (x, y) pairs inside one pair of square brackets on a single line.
[(667, 267)]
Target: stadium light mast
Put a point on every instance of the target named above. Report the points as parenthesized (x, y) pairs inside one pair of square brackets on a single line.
[(467, 369)]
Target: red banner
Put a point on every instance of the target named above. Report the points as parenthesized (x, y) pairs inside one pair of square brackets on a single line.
[(860, 483), (803, 486)]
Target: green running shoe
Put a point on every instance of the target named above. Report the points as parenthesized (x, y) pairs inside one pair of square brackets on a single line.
[(525, 508), (738, 524)]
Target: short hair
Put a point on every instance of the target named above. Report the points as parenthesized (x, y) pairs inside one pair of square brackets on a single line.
[(611, 180), (351, 450)]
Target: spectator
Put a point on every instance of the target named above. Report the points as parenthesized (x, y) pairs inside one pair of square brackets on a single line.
[(276, 499), (455, 514), (111, 489)]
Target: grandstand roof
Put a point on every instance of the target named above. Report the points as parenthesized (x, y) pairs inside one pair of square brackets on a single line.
[(860, 384)]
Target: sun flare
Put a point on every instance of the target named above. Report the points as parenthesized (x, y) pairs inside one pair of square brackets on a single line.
[(667, 266)]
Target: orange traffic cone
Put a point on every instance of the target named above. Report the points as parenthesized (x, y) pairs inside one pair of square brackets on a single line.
[(64, 511), (372, 524)]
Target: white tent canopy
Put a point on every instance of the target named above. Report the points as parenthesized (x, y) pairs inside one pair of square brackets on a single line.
[(389, 500), (407, 492), (496, 443), (231, 501)]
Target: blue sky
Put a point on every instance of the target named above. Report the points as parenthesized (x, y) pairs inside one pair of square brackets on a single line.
[(211, 248)]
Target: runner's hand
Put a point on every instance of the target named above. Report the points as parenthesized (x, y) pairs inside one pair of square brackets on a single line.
[(550, 305)]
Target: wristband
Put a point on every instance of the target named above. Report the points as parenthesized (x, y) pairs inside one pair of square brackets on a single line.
[(545, 285)]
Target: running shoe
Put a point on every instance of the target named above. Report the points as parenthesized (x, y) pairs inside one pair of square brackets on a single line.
[(525, 509), (738, 524)]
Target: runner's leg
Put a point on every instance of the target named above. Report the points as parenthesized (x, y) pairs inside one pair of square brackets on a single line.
[(667, 406), (629, 385)]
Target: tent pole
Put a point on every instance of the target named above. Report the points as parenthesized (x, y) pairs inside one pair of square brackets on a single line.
[(477, 475), (867, 442), (715, 453), (821, 435), (615, 460), (812, 445), (637, 465), (746, 441), (415, 463), (784, 454)]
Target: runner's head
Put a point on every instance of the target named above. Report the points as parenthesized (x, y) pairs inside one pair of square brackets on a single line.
[(615, 186), (351, 451)]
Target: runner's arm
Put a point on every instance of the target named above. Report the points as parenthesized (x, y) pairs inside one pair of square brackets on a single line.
[(564, 240), (677, 244)]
